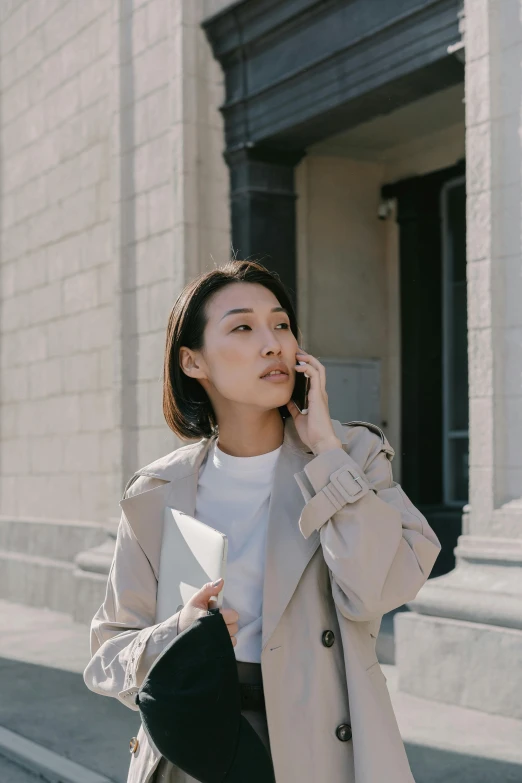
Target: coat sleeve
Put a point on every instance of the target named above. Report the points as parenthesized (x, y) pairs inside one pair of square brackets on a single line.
[(379, 548), (124, 639)]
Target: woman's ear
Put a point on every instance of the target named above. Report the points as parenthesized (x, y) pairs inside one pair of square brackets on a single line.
[(190, 362)]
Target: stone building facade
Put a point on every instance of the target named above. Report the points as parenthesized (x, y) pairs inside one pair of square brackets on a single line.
[(373, 157)]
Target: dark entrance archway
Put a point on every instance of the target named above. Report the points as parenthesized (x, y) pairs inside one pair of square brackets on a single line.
[(299, 71)]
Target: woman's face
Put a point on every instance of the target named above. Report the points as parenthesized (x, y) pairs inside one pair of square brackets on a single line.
[(239, 347)]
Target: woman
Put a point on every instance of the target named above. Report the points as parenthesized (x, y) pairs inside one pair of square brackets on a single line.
[(322, 542)]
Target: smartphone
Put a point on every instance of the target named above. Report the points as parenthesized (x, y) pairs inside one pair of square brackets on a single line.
[(300, 392)]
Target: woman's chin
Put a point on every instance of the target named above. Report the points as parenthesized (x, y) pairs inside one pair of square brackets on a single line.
[(273, 401)]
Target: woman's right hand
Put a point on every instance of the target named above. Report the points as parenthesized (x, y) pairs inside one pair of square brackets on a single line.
[(198, 607)]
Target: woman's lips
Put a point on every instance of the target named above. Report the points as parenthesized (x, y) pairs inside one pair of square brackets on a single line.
[(278, 378)]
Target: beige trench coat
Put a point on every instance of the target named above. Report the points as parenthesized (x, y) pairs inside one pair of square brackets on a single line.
[(344, 546)]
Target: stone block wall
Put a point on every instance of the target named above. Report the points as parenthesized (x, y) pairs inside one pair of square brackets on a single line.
[(56, 282), (113, 192)]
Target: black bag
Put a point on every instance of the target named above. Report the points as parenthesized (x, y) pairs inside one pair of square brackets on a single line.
[(190, 706)]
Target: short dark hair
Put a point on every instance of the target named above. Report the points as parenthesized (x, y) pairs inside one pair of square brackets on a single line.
[(186, 405)]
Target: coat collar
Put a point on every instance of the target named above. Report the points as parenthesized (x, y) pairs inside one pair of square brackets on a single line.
[(287, 551)]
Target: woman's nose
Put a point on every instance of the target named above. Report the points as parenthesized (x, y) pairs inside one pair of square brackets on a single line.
[(274, 346)]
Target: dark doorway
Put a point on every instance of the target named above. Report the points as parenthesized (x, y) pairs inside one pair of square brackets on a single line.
[(432, 220)]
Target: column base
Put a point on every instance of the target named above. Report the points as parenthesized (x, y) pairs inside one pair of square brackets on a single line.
[(461, 643), (457, 662)]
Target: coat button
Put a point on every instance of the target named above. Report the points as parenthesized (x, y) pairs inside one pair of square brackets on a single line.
[(133, 745), (328, 638), (344, 732)]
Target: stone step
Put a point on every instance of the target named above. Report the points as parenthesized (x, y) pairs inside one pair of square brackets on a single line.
[(51, 584), (52, 538), (37, 581), (38, 564), (89, 593)]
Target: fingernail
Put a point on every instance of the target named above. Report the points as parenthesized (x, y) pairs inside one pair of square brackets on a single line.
[(217, 582)]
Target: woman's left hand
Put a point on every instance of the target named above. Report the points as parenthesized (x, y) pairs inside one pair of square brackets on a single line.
[(315, 427)]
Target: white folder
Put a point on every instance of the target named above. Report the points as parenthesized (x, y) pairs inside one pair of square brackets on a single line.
[(192, 554)]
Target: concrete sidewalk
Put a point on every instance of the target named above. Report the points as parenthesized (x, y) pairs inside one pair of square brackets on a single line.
[(43, 655), (447, 743)]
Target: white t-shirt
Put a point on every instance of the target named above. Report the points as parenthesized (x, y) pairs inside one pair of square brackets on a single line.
[(233, 496)]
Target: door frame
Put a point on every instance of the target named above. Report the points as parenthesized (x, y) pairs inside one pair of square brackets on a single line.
[(419, 216)]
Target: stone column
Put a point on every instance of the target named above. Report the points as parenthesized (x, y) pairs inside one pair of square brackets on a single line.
[(462, 643), (262, 198)]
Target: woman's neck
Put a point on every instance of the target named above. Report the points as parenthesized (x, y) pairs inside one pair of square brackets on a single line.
[(251, 436)]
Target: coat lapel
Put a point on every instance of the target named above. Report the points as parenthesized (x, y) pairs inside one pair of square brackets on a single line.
[(145, 511), (287, 551)]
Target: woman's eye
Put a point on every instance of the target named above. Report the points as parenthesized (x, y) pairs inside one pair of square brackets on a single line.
[(241, 326)]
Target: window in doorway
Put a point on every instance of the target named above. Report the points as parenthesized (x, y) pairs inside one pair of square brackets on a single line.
[(454, 348)]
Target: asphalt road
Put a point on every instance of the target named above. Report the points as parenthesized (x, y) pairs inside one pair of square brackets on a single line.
[(10, 773), (55, 709), (434, 765)]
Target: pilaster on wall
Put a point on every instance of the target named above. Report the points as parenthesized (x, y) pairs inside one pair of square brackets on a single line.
[(204, 216), (494, 188), (169, 200)]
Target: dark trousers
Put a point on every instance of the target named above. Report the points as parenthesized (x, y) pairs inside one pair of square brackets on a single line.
[(250, 674)]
